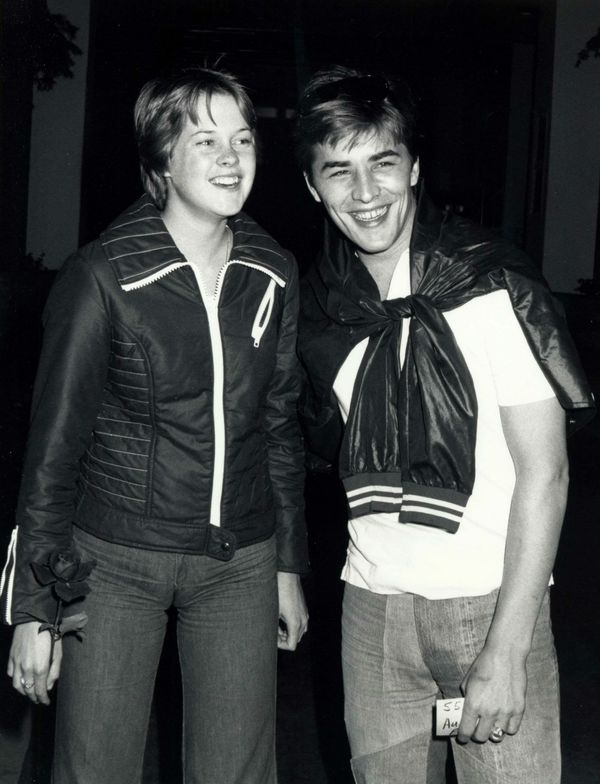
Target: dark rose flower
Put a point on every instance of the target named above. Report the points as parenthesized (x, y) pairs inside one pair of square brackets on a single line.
[(64, 566), (66, 572)]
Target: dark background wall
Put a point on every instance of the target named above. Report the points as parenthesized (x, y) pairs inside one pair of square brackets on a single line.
[(465, 60), (456, 55)]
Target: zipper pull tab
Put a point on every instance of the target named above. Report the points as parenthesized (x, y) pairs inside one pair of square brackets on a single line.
[(263, 314)]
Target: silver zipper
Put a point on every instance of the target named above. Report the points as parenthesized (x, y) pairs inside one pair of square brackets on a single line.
[(11, 555)]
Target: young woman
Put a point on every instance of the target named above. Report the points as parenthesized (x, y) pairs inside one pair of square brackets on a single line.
[(164, 464)]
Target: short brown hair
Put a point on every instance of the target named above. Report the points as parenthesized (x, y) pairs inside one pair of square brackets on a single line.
[(340, 102), (160, 112)]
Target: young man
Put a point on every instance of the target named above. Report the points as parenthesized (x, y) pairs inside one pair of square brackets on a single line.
[(440, 348)]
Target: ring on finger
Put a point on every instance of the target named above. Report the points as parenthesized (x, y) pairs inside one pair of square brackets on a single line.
[(497, 734), (27, 684)]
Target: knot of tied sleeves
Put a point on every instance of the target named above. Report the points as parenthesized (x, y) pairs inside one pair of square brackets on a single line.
[(398, 309)]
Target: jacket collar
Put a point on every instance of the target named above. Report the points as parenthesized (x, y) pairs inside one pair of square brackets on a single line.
[(142, 251), (427, 229)]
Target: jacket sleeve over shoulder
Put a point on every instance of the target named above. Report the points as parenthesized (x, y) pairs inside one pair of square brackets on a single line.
[(68, 389), (285, 449)]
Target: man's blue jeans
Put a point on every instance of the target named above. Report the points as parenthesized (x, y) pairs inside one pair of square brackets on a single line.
[(227, 639), (402, 652)]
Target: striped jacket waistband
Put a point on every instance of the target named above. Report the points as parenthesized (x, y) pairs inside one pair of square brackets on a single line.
[(436, 507)]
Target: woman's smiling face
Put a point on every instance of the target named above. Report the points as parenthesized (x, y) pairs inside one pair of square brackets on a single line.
[(212, 164)]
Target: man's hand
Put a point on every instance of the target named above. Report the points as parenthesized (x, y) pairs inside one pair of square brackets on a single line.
[(293, 615), (29, 666), (494, 690)]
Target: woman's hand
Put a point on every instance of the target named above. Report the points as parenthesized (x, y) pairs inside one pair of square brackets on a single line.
[(293, 615), (29, 666)]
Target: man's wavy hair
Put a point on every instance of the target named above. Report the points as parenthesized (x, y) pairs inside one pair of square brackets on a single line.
[(160, 113), (344, 103)]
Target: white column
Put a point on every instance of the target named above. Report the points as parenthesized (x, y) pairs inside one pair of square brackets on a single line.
[(574, 160), (56, 151)]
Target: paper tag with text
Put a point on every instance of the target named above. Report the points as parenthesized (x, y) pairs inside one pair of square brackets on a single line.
[(447, 715)]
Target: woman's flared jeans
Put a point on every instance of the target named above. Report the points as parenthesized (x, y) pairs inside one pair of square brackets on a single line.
[(227, 640)]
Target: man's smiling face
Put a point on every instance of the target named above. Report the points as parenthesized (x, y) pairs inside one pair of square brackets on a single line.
[(366, 187)]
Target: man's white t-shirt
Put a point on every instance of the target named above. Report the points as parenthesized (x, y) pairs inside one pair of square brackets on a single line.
[(386, 556)]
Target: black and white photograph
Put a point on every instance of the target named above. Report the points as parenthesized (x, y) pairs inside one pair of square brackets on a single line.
[(300, 339)]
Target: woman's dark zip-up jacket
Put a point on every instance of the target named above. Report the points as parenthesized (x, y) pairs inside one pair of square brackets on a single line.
[(161, 420)]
